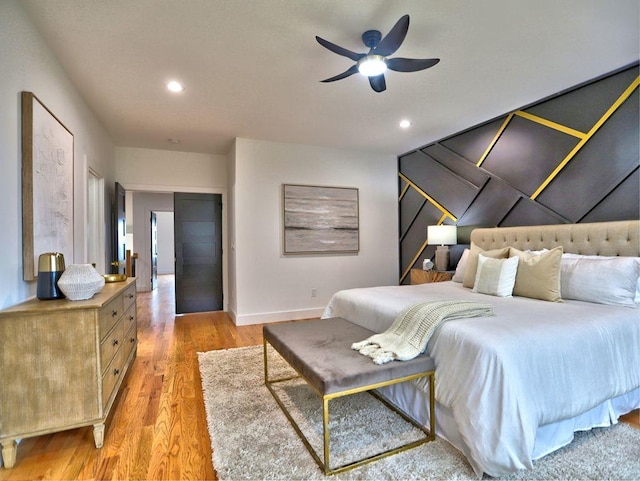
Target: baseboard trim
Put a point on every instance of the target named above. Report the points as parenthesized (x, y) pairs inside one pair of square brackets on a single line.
[(267, 317)]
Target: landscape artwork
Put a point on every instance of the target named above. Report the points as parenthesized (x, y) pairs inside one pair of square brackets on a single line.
[(320, 220)]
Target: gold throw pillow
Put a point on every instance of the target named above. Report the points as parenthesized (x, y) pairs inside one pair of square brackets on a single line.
[(538, 275)]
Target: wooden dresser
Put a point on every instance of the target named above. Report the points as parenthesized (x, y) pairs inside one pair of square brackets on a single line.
[(62, 363)]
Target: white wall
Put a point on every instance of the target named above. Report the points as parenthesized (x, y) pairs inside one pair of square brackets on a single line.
[(27, 64), (170, 171), (166, 249), (229, 235), (269, 286)]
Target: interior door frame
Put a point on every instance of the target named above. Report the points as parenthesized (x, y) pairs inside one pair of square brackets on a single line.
[(145, 262), (95, 237), (153, 224), (118, 256)]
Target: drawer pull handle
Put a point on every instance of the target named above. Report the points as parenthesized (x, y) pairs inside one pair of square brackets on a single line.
[(132, 340), (130, 296), (131, 318), (115, 342), (114, 313), (116, 372)]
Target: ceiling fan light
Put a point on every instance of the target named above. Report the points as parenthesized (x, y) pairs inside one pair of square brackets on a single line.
[(372, 65), (175, 86)]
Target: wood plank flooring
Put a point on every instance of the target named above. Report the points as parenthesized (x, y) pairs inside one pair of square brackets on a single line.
[(158, 428)]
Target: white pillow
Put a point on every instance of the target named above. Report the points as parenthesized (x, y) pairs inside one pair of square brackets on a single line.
[(600, 279), (471, 268), (462, 264), (495, 276)]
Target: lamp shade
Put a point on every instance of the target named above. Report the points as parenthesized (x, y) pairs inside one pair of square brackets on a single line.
[(442, 234)]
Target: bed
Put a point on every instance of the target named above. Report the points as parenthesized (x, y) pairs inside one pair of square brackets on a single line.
[(516, 386)]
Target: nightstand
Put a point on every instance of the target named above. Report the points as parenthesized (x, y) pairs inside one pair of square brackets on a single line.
[(418, 276)]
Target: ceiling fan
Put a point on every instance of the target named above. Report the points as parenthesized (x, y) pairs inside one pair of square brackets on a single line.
[(374, 63)]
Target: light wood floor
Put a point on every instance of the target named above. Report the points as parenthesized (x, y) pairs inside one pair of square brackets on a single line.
[(158, 429)]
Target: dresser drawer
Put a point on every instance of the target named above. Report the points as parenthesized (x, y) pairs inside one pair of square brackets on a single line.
[(112, 376), (110, 345), (129, 318), (130, 341), (129, 296), (109, 315)]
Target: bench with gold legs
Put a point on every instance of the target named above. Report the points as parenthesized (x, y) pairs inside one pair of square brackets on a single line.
[(320, 351)]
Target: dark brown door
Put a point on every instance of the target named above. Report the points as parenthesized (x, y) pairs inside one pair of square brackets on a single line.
[(118, 258), (154, 251), (198, 246)]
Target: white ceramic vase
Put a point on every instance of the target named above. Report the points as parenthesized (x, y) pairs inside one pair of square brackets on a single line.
[(80, 281)]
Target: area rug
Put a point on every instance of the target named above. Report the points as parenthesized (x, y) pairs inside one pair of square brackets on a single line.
[(252, 439)]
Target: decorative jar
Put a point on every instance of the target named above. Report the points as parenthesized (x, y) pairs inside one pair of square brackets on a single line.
[(50, 269), (80, 281)]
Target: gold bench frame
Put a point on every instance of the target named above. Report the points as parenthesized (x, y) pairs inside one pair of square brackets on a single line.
[(325, 465)]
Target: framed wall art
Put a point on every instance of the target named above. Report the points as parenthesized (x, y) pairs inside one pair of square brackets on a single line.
[(47, 185), (320, 220)]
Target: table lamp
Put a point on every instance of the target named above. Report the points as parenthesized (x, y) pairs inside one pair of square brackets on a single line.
[(442, 236)]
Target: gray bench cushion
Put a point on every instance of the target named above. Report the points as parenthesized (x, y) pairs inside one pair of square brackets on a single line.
[(321, 351)]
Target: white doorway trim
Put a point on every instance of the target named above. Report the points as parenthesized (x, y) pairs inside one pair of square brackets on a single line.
[(95, 226)]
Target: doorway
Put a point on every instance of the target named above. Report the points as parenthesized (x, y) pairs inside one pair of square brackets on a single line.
[(154, 251), (119, 247), (162, 246)]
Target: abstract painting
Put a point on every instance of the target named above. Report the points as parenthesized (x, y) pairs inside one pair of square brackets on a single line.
[(47, 185), (320, 220)]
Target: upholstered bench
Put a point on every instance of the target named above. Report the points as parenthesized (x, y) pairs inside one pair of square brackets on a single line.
[(320, 351)]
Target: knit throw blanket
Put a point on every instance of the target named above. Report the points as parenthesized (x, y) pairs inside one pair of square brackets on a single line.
[(411, 330)]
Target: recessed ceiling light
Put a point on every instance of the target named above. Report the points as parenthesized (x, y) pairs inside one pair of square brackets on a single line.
[(174, 141), (405, 124), (175, 86)]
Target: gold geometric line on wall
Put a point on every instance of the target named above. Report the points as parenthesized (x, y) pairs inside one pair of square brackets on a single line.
[(551, 124), (404, 191), (413, 261), (420, 251), (495, 139), (625, 95), (429, 198)]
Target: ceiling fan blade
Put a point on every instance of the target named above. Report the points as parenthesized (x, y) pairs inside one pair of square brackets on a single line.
[(345, 74), (410, 64), (340, 50), (377, 83), (394, 38)]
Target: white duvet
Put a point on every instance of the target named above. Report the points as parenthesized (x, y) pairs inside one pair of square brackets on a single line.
[(502, 378)]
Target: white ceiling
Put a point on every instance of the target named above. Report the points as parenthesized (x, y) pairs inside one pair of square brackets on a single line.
[(251, 68)]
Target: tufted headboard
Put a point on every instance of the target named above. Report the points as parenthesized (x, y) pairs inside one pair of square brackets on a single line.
[(616, 238)]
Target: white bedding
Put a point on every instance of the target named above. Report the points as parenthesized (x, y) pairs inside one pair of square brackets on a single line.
[(503, 379)]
